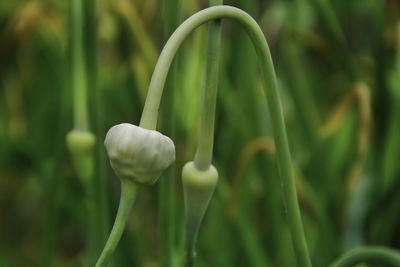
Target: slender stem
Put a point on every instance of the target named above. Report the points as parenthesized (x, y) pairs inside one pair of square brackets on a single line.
[(250, 242), (166, 222), (192, 227), (78, 68), (150, 112), (166, 185), (100, 178), (128, 194), (190, 242), (98, 186), (84, 163), (204, 151), (93, 231), (378, 255)]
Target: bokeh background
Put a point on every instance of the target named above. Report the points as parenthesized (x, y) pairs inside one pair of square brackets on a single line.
[(338, 68)]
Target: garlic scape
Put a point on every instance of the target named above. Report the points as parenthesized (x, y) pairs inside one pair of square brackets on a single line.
[(151, 107), (138, 156), (124, 150)]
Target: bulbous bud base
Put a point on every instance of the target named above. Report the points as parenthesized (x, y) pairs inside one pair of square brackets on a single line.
[(138, 154), (198, 187)]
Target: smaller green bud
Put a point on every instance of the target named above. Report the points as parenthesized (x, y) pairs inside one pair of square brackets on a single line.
[(198, 187), (81, 144), (83, 141), (138, 154)]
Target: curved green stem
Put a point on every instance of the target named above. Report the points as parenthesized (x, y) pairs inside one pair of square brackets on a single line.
[(128, 194), (150, 112), (78, 68), (378, 255)]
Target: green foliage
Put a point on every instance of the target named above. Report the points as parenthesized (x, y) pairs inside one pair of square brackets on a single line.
[(345, 146)]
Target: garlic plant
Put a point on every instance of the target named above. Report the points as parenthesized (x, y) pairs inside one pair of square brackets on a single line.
[(149, 116), (139, 154), (81, 142)]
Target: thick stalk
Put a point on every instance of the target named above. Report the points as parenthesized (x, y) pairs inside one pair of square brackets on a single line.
[(128, 194), (150, 112), (377, 255), (204, 151), (78, 68)]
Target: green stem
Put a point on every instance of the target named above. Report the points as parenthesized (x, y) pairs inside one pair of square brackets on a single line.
[(93, 231), (203, 156), (78, 68), (166, 222), (250, 242), (204, 151), (100, 179), (190, 250), (98, 185), (84, 163), (150, 111), (166, 185), (128, 194), (377, 255)]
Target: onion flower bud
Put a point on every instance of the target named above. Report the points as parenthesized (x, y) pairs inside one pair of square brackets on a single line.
[(138, 154), (82, 141), (198, 188), (82, 144)]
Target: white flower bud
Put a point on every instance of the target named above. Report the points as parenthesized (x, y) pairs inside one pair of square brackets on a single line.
[(138, 154)]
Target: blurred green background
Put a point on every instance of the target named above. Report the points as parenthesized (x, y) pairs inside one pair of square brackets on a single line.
[(338, 68)]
